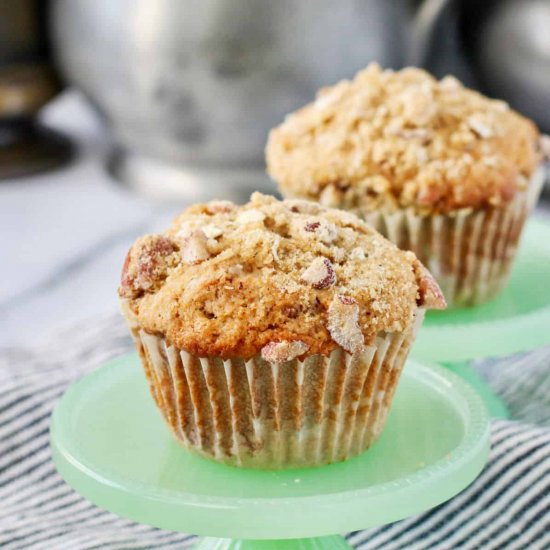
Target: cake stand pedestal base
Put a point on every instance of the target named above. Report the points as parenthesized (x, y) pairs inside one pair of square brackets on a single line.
[(109, 442), (336, 542)]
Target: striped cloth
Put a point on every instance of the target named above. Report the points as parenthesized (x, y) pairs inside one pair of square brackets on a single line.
[(507, 507)]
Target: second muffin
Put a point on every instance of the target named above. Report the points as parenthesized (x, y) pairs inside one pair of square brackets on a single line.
[(273, 334), (438, 169)]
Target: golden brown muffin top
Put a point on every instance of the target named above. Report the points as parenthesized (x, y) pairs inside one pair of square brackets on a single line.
[(284, 278), (388, 140)]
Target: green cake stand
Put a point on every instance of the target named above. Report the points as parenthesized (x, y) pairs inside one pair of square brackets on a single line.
[(517, 320), (110, 444)]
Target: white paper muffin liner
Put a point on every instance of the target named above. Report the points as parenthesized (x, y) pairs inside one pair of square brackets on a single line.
[(470, 253), (275, 415)]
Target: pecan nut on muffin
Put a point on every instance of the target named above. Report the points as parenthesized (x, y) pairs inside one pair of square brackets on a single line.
[(273, 334), (437, 168)]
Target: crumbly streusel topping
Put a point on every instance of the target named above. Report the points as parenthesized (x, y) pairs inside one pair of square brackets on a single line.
[(284, 278), (388, 140)]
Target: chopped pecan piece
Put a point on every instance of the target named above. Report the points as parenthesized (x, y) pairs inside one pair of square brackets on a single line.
[(320, 274), (429, 294), (343, 323), (195, 249), (146, 265), (280, 352), (311, 227), (325, 231)]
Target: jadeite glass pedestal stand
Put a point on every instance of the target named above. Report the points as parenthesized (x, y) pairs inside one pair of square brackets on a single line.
[(110, 444), (517, 320)]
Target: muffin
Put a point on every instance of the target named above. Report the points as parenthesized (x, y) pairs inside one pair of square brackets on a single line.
[(435, 167), (273, 334)]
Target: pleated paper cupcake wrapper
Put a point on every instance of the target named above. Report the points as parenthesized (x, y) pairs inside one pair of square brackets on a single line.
[(275, 415), (471, 252)]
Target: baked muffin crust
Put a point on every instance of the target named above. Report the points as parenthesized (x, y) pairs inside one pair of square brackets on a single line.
[(281, 278), (391, 140)]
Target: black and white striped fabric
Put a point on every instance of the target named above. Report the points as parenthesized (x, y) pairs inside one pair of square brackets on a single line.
[(507, 507)]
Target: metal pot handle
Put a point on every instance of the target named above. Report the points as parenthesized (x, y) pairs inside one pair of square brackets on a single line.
[(424, 25)]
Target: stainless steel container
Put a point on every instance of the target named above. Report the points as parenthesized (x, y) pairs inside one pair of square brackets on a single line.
[(190, 88), (510, 50)]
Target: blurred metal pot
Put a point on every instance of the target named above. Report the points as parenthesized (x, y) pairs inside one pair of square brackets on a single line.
[(508, 43), (27, 83), (190, 88)]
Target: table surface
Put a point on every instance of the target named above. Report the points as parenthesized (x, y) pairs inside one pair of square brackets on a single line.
[(64, 234)]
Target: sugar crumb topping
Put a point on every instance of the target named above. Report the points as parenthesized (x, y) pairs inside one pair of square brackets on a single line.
[(389, 140), (281, 278)]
